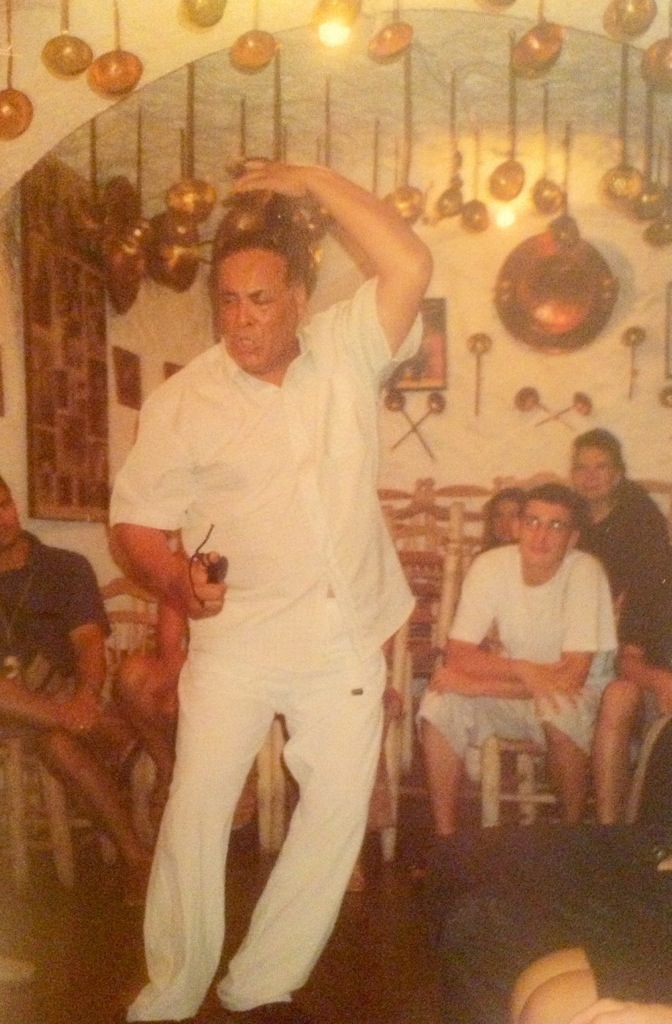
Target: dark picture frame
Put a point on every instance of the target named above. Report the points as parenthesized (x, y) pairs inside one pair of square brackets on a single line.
[(427, 370)]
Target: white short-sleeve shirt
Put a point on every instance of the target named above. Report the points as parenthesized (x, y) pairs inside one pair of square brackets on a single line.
[(571, 612), (287, 477)]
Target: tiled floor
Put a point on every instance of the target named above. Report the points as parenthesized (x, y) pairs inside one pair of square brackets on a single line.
[(379, 967)]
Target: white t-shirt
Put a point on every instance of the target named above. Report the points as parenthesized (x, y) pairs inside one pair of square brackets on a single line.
[(571, 612), (287, 477)]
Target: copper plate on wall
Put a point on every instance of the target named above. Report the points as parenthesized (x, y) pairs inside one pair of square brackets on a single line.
[(555, 291)]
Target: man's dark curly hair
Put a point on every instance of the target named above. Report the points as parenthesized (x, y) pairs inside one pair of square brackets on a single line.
[(268, 220), (559, 494)]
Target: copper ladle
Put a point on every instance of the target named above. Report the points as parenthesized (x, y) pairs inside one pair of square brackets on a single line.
[(116, 72), (659, 232), (627, 19), (203, 13), (66, 55), (650, 202), (255, 49), (657, 61), (547, 196), (191, 196), (507, 179), (538, 49), (407, 200), (451, 200), (16, 110), (474, 216), (623, 183), (391, 41)]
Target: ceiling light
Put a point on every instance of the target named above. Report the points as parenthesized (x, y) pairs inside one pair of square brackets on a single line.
[(334, 19)]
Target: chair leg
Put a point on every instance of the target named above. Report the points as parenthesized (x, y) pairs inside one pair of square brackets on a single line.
[(16, 801), (59, 827), (491, 782), (526, 788)]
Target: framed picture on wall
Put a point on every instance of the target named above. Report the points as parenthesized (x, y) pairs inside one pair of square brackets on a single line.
[(65, 353), (428, 369)]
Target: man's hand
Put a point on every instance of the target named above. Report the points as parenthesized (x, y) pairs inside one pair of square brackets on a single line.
[(265, 175), (205, 599)]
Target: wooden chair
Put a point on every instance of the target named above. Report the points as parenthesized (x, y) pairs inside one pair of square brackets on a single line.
[(512, 772), (35, 812)]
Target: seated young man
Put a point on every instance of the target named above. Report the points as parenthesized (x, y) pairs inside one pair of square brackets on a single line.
[(539, 923), (549, 608), (52, 672)]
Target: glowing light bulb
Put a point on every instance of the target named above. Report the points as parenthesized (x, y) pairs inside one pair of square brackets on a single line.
[(334, 33), (505, 216)]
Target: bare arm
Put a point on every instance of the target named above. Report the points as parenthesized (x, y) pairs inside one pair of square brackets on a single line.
[(168, 573), (473, 670), (634, 667), (399, 259)]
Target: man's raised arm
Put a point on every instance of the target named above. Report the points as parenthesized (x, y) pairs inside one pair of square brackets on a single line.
[(399, 259)]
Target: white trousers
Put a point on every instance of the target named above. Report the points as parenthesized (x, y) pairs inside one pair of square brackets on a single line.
[(334, 721)]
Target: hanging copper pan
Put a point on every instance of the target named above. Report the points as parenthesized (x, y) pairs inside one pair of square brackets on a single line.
[(627, 19), (537, 50), (173, 252), (657, 61), (555, 291)]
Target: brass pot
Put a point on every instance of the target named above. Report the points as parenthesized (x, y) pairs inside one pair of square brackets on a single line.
[(389, 44), (115, 73), (253, 51), (657, 64), (172, 254), (66, 55)]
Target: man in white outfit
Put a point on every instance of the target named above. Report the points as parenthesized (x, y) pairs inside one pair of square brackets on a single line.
[(265, 448), (529, 655)]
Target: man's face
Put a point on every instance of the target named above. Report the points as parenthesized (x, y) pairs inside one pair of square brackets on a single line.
[(546, 535), (594, 475), (10, 527), (258, 312)]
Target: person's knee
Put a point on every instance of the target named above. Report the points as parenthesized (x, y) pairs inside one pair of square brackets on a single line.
[(559, 998), (542, 970), (619, 703)]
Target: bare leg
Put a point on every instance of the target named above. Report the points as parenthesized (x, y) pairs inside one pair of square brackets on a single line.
[(97, 791), (557, 1000), (444, 775), (560, 962), (611, 750), (568, 765), (146, 696)]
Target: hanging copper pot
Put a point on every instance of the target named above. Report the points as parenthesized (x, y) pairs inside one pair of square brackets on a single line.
[(407, 200), (120, 203), (555, 291), (173, 252), (66, 55), (538, 49), (626, 19), (507, 179), (125, 263)]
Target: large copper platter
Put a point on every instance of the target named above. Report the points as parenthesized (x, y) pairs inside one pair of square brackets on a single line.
[(555, 291)]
